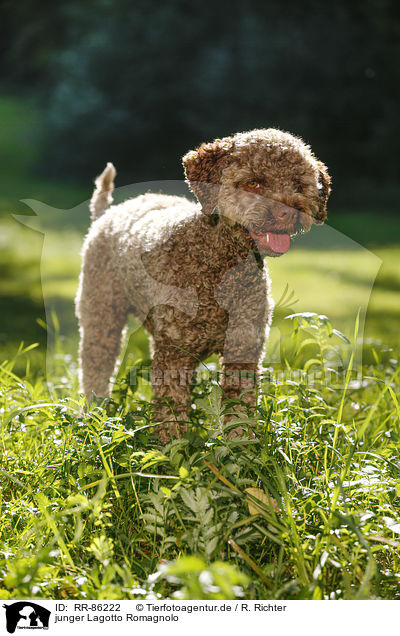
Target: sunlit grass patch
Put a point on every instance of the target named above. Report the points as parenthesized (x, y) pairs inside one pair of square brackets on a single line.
[(94, 507)]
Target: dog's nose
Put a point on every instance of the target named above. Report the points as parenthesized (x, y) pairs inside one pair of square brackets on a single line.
[(283, 212)]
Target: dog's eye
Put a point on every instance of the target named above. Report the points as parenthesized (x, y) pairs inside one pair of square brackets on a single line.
[(253, 185)]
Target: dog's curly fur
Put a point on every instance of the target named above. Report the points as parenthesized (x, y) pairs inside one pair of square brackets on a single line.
[(193, 273)]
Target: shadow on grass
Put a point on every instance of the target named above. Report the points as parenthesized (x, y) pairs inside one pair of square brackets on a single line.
[(18, 322)]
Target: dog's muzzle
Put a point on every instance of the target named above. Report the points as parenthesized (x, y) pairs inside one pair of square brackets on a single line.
[(272, 235)]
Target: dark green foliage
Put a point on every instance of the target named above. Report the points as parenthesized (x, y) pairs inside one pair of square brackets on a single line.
[(140, 83)]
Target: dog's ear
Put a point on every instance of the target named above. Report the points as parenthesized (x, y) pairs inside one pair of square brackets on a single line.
[(203, 168), (324, 189)]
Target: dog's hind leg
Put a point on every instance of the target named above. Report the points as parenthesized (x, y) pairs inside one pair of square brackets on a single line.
[(102, 309)]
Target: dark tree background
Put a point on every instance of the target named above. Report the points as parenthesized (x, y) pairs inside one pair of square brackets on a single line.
[(140, 82)]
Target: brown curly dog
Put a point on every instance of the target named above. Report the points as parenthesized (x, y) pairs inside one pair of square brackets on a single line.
[(194, 273)]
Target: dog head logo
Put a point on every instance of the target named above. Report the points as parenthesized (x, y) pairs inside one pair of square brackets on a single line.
[(26, 615)]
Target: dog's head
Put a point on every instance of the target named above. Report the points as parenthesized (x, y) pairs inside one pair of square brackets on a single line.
[(266, 182)]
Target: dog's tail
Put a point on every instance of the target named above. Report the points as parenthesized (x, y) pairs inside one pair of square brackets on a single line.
[(102, 195)]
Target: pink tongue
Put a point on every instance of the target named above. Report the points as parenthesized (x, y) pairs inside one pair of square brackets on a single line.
[(279, 243)]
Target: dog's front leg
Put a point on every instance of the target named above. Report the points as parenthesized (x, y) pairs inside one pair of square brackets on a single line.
[(239, 383), (172, 376), (249, 309)]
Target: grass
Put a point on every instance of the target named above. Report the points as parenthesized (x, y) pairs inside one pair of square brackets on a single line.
[(93, 507)]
